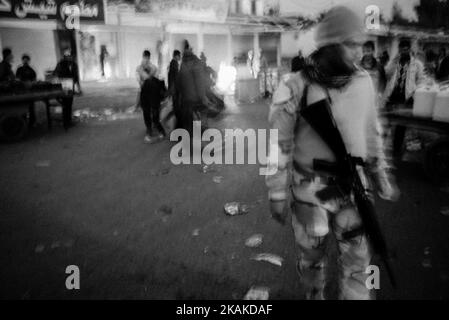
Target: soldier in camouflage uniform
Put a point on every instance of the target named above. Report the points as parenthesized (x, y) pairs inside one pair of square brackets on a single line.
[(329, 72)]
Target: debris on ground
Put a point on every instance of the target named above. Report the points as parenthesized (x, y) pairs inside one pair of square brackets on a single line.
[(217, 179), (43, 164), (206, 250), (39, 248), (268, 257), (426, 251), (196, 232), (426, 263), (208, 168), (69, 243), (161, 172), (55, 244), (257, 293), (164, 210), (235, 208), (254, 241), (444, 211)]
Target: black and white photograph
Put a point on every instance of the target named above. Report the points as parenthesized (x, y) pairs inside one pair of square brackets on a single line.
[(224, 150)]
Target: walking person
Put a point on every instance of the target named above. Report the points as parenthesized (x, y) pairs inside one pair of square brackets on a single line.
[(152, 93), (144, 71), (190, 88), (331, 74)]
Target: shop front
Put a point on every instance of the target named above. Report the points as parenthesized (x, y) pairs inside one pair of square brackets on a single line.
[(38, 28)]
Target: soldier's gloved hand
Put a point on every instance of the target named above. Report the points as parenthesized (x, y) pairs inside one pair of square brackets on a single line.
[(387, 187), (278, 209)]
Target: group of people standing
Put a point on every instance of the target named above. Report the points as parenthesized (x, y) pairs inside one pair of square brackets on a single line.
[(65, 69), (189, 82)]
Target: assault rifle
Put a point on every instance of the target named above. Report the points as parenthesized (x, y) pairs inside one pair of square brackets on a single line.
[(348, 171)]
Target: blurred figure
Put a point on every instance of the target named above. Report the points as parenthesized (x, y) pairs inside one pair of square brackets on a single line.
[(442, 73), (173, 70), (404, 74), (330, 74), (152, 93), (431, 63), (103, 55), (25, 72), (68, 69), (297, 62), (374, 68), (6, 73), (145, 70), (190, 88), (384, 58), (209, 73)]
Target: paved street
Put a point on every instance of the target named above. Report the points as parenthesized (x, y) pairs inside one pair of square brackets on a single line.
[(139, 227)]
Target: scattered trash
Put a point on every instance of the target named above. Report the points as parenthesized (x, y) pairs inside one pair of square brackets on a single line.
[(257, 293), (268, 257), (39, 248), (445, 211), (161, 172), (165, 210), (217, 179), (235, 208), (69, 243), (208, 168), (254, 241), (196, 232), (206, 250), (427, 263), (55, 245), (43, 164)]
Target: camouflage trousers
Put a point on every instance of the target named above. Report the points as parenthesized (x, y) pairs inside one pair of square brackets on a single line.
[(313, 221)]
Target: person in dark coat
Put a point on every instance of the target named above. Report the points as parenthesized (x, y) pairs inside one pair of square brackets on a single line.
[(25, 72), (67, 68), (173, 70), (6, 73), (442, 73), (152, 93), (298, 62), (190, 88), (373, 66)]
